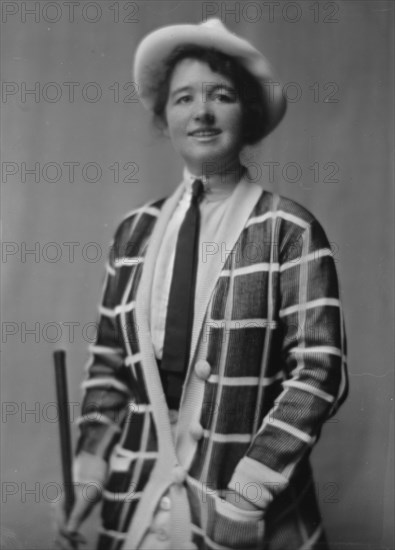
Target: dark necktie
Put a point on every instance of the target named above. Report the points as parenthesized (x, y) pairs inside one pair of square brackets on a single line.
[(179, 319)]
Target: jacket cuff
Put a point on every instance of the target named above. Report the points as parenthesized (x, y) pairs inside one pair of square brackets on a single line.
[(89, 469), (256, 482)]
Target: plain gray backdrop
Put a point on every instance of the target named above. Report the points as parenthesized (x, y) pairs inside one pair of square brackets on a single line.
[(96, 157)]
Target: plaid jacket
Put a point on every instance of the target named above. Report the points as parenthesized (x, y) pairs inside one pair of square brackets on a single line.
[(267, 369)]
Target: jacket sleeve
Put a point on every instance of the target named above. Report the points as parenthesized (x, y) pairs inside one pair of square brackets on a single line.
[(108, 389), (313, 355)]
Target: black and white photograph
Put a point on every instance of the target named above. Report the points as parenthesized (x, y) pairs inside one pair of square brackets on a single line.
[(197, 275)]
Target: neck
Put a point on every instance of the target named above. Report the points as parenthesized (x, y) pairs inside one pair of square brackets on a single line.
[(228, 175)]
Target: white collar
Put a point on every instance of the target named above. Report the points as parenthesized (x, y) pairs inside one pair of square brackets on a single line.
[(189, 178), (218, 192)]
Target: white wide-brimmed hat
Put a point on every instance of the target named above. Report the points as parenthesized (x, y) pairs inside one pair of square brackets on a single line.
[(156, 47)]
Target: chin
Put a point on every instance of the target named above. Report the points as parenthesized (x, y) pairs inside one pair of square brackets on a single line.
[(212, 158)]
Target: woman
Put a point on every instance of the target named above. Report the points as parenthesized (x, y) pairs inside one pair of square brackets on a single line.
[(221, 349)]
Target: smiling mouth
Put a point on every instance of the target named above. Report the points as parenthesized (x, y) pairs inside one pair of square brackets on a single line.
[(204, 133)]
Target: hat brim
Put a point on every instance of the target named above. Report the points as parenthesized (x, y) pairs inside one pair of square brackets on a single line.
[(157, 46)]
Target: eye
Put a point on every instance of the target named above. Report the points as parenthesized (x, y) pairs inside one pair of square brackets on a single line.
[(183, 99), (223, 96)]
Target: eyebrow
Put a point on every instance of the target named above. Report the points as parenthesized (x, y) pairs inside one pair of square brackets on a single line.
[(180, 90), (214, 86)]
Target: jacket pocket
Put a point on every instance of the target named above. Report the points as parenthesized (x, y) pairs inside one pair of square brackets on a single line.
[(235, 528)]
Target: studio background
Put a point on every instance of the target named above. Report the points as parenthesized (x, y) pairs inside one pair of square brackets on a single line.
[(331, 153)]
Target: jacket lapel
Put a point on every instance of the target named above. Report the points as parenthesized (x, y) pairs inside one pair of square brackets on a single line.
[(143, 298), (160, 477), (144, 292)]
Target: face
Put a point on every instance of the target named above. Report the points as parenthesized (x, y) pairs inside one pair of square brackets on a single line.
[(204, 117)]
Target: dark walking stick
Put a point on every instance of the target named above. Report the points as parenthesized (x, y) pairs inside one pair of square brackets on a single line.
[(64, 428)]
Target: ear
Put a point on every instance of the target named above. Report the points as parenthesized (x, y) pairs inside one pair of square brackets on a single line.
[(161, 123)]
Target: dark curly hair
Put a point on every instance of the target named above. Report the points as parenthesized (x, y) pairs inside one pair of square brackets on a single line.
[(247, 88)]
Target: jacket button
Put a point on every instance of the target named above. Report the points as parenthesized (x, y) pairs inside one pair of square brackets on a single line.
[(196, 431), (203, 369), (165, 503), (161, 534), (179, 475)]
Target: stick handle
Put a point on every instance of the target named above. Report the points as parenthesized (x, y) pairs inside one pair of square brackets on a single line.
[(64, 428)]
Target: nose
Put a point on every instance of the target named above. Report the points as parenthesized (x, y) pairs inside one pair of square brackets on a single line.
[(204, 112)]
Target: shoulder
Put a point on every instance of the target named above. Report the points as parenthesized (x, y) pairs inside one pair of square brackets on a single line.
[(272, 205), (142, 216), (284, 208), (149, 209), (133, 229), (293, 222)]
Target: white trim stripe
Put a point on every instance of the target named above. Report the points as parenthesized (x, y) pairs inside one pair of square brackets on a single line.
[(254, 268), (260, 219), (110, 269), (313, 539), (221, 372), (139, 408), (321, 253), (124, 497), (133, 455), (118, 310), (278, 214), (308, 305), (245, 380), (241, 324), (107, 312), (105, 381), (330, 350), (150, 210), (143, 445), (344, 377), (143, 210), (133, 359), (292, 218), (227, 438), (114, 534), (104, 350), (124, 261), (269, 294), (290, 429), (124, 321), (310, 389), (248, 323)]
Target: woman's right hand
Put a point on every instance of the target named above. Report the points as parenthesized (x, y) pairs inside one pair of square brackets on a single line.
[(67, 535)]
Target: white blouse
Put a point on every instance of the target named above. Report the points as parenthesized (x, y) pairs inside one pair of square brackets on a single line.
[(212, 209)]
